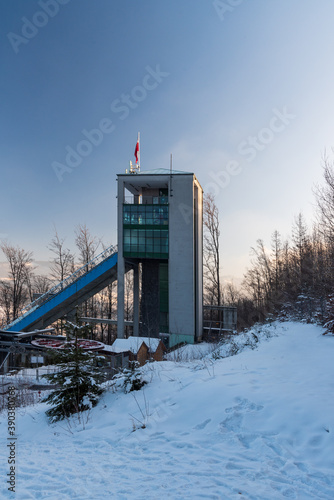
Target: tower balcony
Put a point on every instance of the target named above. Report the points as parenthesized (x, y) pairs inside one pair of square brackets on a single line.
[(146, 200)]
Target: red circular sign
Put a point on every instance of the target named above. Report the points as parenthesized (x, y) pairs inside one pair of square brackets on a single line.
[(61, 344)]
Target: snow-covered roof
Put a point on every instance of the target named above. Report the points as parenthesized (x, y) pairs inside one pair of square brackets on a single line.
[(152, 343), (133, 344)]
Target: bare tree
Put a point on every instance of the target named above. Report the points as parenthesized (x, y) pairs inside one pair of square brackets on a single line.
[(211, 250), (253, 284), (62, 266), (302, 254), (106, 303), (87, 246), (37, 285), (41, 284), (276, 245), (14, 292), (325, 205), (325, 200), (298, 276), (63, 260), (128, 309), (86, 243), (232, 294), (6, 300), (287, 274), (259, 279)]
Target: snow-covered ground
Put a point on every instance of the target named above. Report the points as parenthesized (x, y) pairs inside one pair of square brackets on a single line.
[(257, 425)]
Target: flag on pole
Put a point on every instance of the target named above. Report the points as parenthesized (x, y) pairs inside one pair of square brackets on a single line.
[(137, 151)]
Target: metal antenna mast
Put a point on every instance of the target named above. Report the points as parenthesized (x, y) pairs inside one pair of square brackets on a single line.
[(171, 174)]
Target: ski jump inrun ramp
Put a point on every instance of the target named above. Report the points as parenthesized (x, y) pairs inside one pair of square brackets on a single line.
[(64, 297)]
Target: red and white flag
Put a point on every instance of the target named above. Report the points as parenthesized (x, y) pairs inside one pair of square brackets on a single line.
[(137, 151)]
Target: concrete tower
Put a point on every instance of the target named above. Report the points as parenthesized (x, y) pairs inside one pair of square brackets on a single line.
[(160, 228)]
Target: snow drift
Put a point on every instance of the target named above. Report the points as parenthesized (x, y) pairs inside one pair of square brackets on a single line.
[(255, 425)]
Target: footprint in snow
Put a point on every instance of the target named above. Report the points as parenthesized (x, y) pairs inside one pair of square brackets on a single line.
[(201, 426), (232, 423), (243, 405)]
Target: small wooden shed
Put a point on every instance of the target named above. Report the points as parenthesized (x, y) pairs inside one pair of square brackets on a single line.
[(139, 349)]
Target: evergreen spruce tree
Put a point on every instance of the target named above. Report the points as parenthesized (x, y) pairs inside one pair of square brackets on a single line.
[(78, 377), (132, 377), (329, 324)]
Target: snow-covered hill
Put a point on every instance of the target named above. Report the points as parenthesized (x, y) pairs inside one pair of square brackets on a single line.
[(257, 425)]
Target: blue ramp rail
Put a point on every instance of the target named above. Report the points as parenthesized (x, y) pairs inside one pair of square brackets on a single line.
[(64, 297)]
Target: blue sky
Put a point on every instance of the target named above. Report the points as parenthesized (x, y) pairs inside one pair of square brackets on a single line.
[(245, 96)]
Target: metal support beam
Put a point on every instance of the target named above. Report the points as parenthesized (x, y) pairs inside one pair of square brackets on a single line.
[(105, 321)]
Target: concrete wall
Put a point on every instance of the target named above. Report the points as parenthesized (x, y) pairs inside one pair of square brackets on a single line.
[(198, 264), (181, 258), (120, 263)]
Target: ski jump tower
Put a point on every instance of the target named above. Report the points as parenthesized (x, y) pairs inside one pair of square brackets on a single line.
[(160, 230)]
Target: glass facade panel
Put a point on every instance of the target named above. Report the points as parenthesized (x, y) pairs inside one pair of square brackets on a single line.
[(150, 243), (145, 231), (146, 215)]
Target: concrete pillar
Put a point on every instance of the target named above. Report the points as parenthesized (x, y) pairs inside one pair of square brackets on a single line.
[(150, 305), (120, 297), (136, 300), (120, 261)]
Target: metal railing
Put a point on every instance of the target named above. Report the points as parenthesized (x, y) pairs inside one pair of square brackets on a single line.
[(28, 309), (146, 200)]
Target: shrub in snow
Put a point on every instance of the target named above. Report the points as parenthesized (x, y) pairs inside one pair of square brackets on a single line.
[(131, 378), (230, 346), (78, 378)]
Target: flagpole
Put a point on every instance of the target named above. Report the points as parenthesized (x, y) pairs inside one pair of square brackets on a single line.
[(139, 151)]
